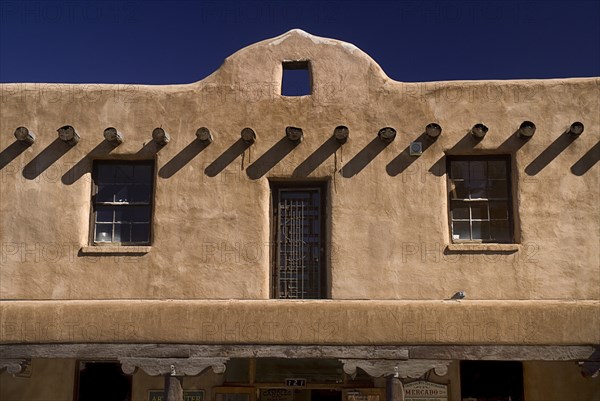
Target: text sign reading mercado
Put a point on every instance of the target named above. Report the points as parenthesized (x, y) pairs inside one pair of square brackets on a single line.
[(425, 391)]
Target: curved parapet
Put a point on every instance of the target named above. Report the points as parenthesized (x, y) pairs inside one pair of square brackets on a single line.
[(338, 70)]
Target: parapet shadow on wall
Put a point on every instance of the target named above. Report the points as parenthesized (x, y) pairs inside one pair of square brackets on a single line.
[(550, 153), (318, 157), (587, 161), (84, 165), (226, 158), (270, 158), (513, 144), (404, 159), (465, 145), (182, 158), (363, 158), (11, 152), (45, 159), (55, 150), (104, 148), (149, 149)]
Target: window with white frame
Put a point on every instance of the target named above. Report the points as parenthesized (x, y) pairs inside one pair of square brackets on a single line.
[(122, 202), (479, 199)]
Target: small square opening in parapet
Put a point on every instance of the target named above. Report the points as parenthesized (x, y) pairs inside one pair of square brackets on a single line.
[(296, 79)]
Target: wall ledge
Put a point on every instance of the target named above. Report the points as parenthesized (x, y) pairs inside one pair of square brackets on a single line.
[(479, 247), (114, 250)]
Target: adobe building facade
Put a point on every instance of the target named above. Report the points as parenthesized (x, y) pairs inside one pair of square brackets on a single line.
[(367, 239)]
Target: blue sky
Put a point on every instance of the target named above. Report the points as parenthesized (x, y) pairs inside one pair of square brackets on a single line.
[(160, 42)]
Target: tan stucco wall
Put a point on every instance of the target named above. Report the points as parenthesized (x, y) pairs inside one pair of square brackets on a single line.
[(558, 381), (211, 234), (301, 322), (51, 380)]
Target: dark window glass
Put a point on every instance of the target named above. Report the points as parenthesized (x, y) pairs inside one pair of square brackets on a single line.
[(461, 230), (104, 214), (479, 211), (459, 190), (124, 173), (460, 210), (140, 233), (103, 233), (123, 202), (499, 230), (497, 170), (498, 211), (479, 199), (460, 169), (142, 194), (498, 189)]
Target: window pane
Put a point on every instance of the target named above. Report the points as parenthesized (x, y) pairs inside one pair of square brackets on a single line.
[(124, 173), (130, 184), (478, 189), (498, 189), (123, 214), (487, 185), (106, 193), (497, 169), (141, 193), (479, 211), (104, 214), (460, 210), (477, 170), (122, 233), (140, 233), (481, 230), (141, 213), (459, 169), (103, 233), (500, 230), (143, 174), (459, 190), (499, 210), (106, 174), (460, 230), (121, 193)]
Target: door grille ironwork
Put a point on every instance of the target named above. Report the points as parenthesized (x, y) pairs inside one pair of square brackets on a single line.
[(298, 243)]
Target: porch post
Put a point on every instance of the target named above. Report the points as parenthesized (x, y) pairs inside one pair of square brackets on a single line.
[(395, 389), (173, 388)]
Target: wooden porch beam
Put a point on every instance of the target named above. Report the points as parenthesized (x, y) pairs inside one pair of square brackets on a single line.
[(437, 352)]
